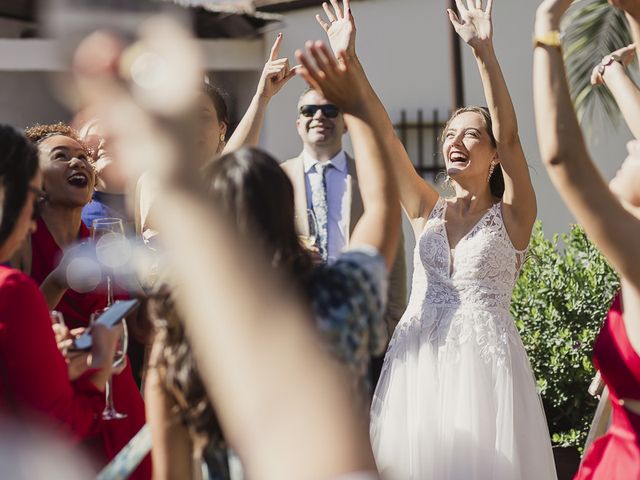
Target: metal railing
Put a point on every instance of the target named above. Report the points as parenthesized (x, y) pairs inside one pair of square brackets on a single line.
[(421, 138)]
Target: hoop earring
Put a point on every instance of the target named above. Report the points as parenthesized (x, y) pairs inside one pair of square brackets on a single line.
[(491, 169)]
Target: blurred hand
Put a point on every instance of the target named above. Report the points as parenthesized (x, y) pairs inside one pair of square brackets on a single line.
[(276, 72), (340, 27), (146, 96), (624, 55), (104, 342), (474, 25), (337, 81)]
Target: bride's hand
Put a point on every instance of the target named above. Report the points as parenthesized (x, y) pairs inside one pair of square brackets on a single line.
[(474, 24), (341, 27)]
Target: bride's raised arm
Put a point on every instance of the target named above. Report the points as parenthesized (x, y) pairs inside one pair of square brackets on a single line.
[(474, 24), (416, 196)]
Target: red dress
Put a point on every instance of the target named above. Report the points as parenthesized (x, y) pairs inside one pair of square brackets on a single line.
[(34, 373), (77, 309), (616, 455)]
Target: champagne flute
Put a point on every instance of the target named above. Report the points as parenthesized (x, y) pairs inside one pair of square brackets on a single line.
[(110, 412), (309, 241), (57, 320), (107, 231)]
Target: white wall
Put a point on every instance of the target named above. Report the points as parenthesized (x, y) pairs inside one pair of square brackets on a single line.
[(403, 45)]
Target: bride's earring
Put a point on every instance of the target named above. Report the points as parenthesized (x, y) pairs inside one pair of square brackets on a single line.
[(491, 169)]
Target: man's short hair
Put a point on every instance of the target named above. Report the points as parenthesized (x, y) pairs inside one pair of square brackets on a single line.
[(304, 94)]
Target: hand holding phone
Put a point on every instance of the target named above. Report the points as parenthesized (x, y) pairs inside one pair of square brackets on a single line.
[(109, 318)]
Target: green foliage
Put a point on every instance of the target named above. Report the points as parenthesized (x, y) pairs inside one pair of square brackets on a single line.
[(592, 29), (559, 303)]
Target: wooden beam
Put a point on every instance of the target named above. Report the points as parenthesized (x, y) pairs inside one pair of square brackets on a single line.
[(37, 55)]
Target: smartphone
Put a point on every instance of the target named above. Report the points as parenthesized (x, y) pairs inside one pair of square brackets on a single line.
[(109, 318)]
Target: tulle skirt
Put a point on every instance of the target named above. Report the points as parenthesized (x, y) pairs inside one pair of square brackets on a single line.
[(457, 400)]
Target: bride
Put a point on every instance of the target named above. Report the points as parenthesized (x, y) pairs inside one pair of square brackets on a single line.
[(457, 398)]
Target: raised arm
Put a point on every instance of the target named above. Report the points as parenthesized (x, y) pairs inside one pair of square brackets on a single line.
[(341, 83), (612, 72), (474, 25), (275, 75), (567, 160), (417, 196)]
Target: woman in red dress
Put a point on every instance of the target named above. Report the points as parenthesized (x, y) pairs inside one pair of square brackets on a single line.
[(611, 216), (68, 180), (34, 379)]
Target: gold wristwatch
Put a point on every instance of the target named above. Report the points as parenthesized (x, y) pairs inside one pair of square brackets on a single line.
[(549, 39)]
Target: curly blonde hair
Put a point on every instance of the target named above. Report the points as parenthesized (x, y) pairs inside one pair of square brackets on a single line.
[(40, 132)]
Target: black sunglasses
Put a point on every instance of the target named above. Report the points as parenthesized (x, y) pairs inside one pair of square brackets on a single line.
[(329, 111), (40, 198)]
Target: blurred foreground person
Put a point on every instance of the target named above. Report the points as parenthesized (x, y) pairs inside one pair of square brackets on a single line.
[(252, 339), (185, 429), (610, 214), (347, 296)]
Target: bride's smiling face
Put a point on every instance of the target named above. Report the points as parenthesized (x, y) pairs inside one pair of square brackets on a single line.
[(467, 147)]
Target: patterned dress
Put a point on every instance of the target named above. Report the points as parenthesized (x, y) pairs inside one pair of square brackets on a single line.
[(348, 303)]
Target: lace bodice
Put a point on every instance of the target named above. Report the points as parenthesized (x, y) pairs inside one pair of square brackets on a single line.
[(480, 273)]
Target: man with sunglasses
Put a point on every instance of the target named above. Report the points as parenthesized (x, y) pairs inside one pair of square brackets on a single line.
[(325, 182)]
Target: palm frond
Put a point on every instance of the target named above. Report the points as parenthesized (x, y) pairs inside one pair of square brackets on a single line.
[(593, 29)]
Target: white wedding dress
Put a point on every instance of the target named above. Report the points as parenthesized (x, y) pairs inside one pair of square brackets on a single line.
[(457, 399)]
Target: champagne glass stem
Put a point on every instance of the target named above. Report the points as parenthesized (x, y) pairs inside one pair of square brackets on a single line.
[(109, 291), (110, 412), (109, 395)]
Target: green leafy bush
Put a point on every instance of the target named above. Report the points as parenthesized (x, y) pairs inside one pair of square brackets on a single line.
[(559, 303)]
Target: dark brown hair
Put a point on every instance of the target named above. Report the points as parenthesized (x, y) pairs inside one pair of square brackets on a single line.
[(216, 95), (250, 187), (496, 181), (18, 166), (40, 132)]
